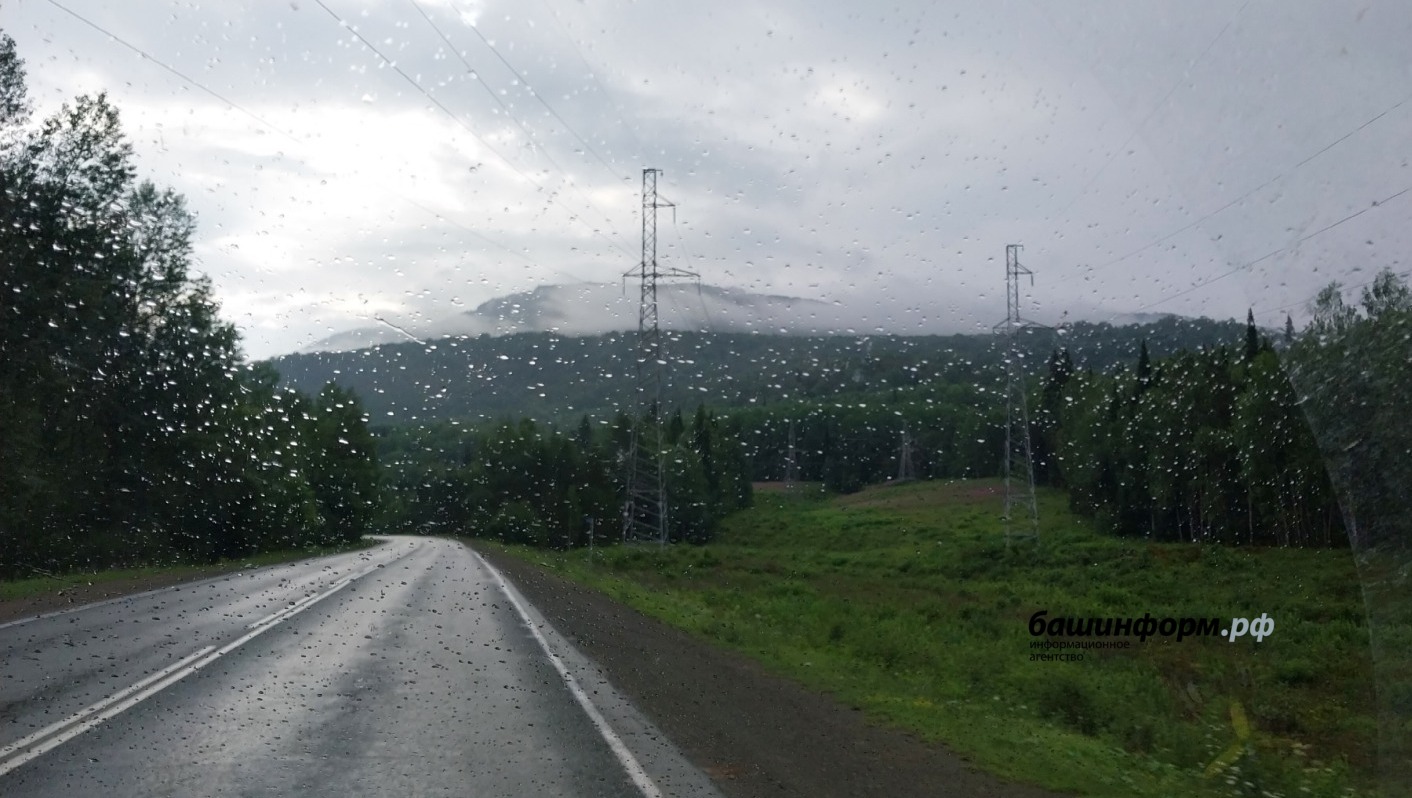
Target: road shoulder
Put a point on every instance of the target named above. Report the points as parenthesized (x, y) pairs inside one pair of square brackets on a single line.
[(752, 733), (74, 593)]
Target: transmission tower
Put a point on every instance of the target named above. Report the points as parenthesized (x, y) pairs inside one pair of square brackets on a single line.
[(905, 470), (1019, 466), (645, 503), (791, 460)]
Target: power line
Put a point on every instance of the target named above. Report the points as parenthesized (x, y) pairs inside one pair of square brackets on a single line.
[(418, 86), (529, 137), (641, 148), (171, 69), (1304, 301), (472, 70), (265, 122), (611, 169), (295, 139), (573, 216), (1155, 108), (1286, 248), (705, 310), (1263, 185)]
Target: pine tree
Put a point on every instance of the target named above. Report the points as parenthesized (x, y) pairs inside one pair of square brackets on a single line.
[(1144, 369), (584, 435), (344, 472), (1252, 336)]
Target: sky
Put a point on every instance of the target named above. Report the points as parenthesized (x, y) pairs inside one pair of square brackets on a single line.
[(351, 161)]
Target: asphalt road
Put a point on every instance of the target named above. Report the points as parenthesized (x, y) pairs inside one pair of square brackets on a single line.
[(408, 669)]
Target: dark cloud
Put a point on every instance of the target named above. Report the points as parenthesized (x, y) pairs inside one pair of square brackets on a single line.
[(876, 156)]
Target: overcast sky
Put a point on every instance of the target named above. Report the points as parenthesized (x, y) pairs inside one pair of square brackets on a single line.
[(1149, 156)]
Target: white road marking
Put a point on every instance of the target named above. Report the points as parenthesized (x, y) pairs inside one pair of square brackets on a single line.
[(299, 605), (620, 750), (50, 737), (25, 742)]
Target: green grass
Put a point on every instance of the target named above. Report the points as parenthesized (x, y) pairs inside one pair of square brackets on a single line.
[(53, 584), (904, 601)]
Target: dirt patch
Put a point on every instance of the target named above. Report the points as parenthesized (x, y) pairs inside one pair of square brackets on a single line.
[(752, 733)]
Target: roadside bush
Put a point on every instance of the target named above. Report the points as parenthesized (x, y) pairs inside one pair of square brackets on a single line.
[(1070, 702)]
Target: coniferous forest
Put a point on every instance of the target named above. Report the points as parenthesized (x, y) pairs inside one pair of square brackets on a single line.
[(1240, 442)]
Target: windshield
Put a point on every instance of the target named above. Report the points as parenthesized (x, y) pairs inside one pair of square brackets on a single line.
[(617, 398)]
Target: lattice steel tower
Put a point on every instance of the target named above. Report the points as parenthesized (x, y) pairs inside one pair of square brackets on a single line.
[(1019, 465), (906, 469), (791, 460), (645, 503)]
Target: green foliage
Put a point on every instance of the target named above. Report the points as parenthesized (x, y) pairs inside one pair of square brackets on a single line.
[(954, 432), (903, 601), (1350, 368), (1201, 446), (480, 379), (130, 430), (1209, 449), (521, 482), (343, 466)]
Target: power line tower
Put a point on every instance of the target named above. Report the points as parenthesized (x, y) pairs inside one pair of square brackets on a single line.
[(906, 472), (791, 460), (1019, 465), (645, 504)]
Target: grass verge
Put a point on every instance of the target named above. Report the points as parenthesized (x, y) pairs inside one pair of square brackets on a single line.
[(117, 581), (904, 601)]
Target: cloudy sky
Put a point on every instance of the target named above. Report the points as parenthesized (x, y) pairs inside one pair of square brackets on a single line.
[(351, 160)]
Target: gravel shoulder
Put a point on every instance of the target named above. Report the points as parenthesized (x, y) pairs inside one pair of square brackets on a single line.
[(753, 733)]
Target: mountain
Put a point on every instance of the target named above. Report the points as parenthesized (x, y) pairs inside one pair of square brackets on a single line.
[(601, 308), (554, 376), (598, 308)]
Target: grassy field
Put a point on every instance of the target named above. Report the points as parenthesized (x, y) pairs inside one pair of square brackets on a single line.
[(139, 578), (904, 601)]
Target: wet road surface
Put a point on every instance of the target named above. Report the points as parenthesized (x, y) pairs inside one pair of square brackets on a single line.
[(407, 669)]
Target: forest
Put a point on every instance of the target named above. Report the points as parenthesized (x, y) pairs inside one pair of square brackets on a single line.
[(524, 482), (1211, 444), (132, 430), (1260, 440), (552, 377)]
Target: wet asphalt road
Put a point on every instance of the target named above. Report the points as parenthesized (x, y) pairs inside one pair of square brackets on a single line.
[(404, 670)]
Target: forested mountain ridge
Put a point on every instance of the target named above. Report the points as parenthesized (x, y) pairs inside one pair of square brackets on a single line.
[(547, 376)]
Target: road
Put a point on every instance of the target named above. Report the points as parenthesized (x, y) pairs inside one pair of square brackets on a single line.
[(410, 669)]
